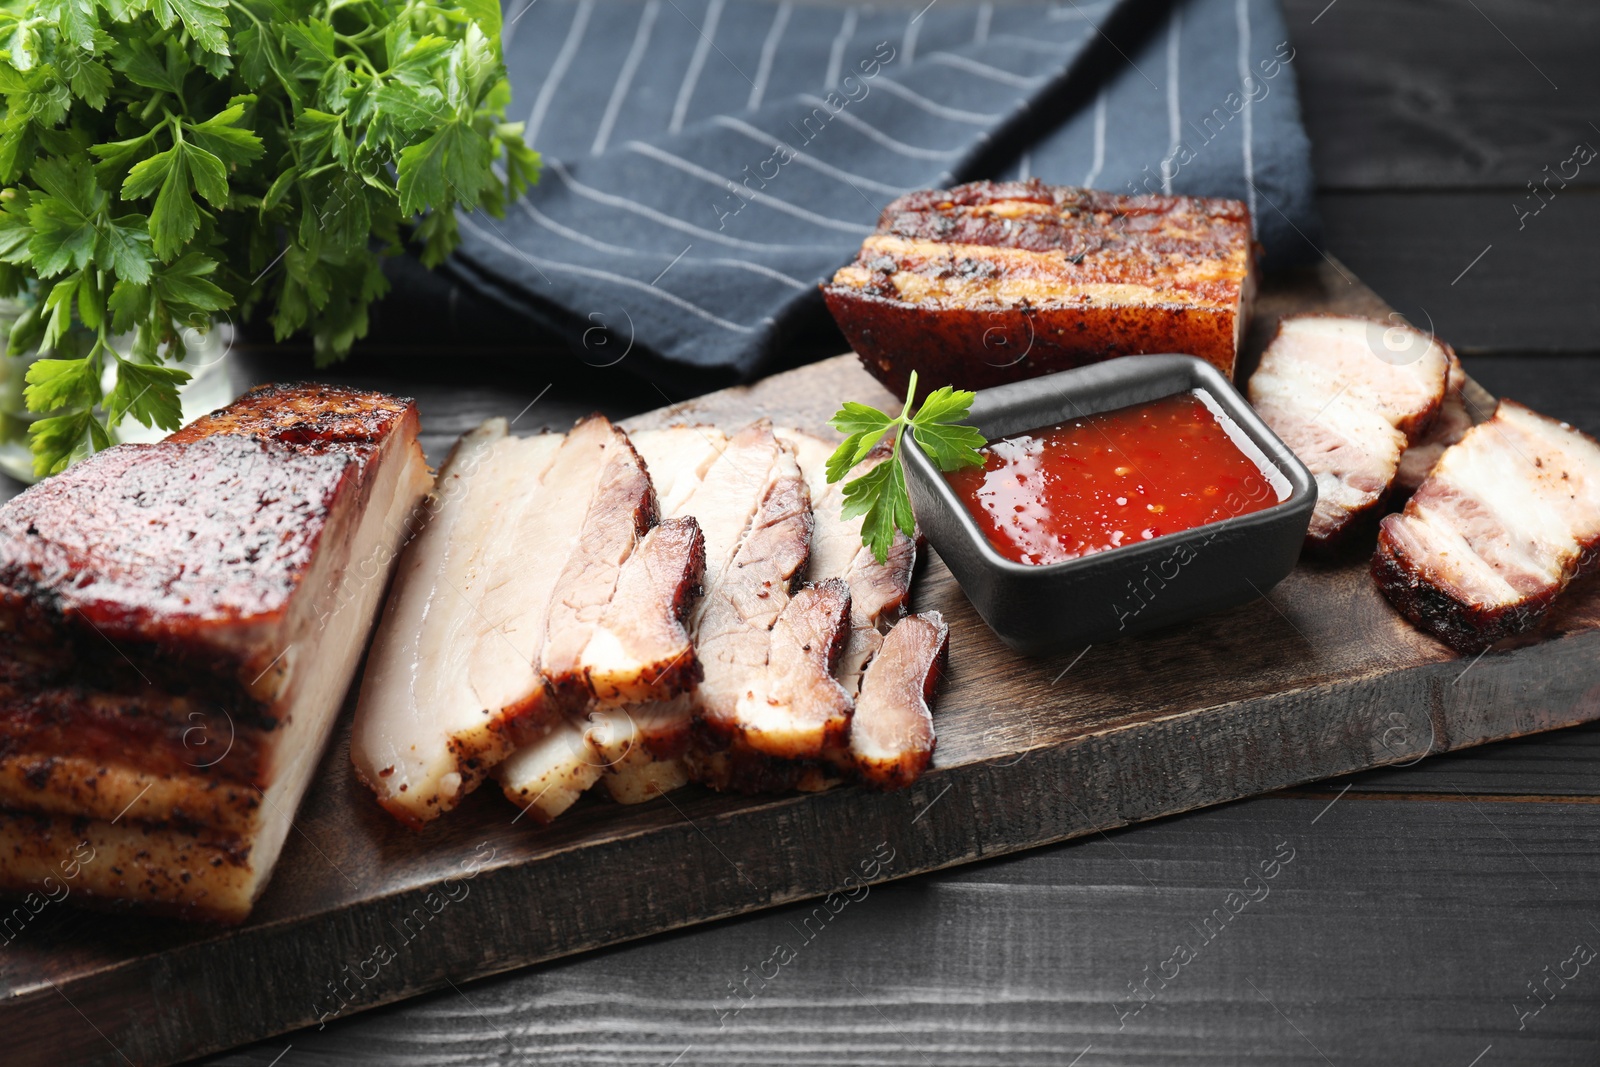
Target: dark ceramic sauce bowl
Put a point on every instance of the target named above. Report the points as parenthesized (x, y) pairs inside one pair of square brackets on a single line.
[(1042, 609)]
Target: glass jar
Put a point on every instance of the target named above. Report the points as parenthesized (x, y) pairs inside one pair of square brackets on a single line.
[(205, 358)]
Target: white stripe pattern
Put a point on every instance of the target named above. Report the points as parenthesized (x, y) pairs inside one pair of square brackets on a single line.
[(1028, 44), (980, 33), (579, 237), (630, 66), (908, 42), (844, 116), (589, 192), (983, 70), (1099, 160), (932, 107), (805, 159), (769, 52), (1241, 14), (847, 30), (661, 155), (1169, 165), (558, 70), (697, 63), (604, 276)]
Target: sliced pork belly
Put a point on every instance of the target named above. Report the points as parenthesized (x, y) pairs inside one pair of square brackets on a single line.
[(735, 618), (502, 599), (878, 591), (891, 735), (547, 775), (795, 707), (640, 648), (1449, 426), (444, 680), (1348, 396), (642, 654), (1507, 518), (237, 565)]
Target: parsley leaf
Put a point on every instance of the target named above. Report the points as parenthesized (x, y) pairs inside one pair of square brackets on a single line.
[(879, 496), (165, 160)]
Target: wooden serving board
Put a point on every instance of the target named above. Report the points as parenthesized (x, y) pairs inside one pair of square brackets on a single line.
[(1318, 679)]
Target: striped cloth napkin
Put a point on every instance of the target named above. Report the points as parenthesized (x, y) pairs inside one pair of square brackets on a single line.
[(709, 162)]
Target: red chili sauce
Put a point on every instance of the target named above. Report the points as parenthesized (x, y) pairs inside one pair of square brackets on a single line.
[(1112, 478)]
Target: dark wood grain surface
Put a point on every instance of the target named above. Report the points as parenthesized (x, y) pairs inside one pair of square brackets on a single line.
[(1420, 902)]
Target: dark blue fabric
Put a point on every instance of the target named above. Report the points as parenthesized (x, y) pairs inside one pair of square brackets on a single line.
[(708, 162)]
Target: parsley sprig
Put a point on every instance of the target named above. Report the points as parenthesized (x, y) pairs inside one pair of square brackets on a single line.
[(166, 161), (880, 494)]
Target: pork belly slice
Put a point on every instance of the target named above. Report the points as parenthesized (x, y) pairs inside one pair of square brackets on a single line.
[(643, 653), (1348, 396), (546, 776), (1507, 518), (512, 573), (444, 679), (891, 734), (878, 591), (795, 708), (243, 545), (640, 649), (992, 282), (622, 511), (1449, 426), (735, 619)]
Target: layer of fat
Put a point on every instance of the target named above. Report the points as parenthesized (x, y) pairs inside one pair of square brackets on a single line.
[(421, 715), (1506, 512), (546, 777), (678, 458)]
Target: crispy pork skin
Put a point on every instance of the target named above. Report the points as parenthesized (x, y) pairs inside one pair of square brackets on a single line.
[(230, 574), (1505, 520), (992, 282), (1348, 395), (891, 735)]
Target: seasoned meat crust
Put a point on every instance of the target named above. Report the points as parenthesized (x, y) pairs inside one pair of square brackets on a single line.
[(169, 539), (309, 416), (992, 282)]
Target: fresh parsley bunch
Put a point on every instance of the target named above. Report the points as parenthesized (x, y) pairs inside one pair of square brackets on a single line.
[(880, 494), (164, 161)]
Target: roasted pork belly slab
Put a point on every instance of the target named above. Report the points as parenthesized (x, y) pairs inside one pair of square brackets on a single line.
[(1348, 395), (221, 585), (1505, 520), (993, 282)]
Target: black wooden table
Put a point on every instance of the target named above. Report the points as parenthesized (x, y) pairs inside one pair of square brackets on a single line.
[(1446, 913)]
